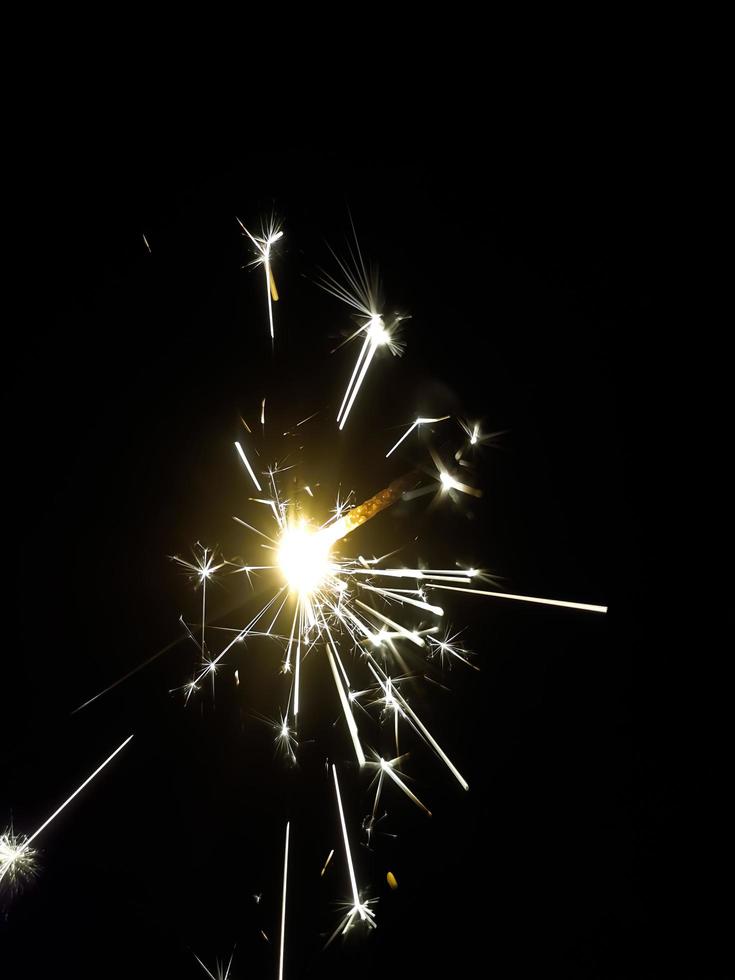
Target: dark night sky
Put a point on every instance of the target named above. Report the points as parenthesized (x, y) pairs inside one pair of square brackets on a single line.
[(532, 289)]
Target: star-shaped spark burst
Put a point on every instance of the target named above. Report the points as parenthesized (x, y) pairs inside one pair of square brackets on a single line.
[(18, 861), (223, 972)]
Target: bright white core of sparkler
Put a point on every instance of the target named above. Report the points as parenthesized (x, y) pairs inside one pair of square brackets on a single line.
[(376, 332), (303, 557)]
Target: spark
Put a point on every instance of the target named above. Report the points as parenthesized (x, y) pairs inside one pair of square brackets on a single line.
[(147, 245), (283, 902), (285, 739), (223, 972), (360, 290), (389, 768), (248, 467), (329, 858), (203, 569), (358, 907), (476, 439), (447, 649), (525, 598), (16, 857), (263, 245), (414, 425)]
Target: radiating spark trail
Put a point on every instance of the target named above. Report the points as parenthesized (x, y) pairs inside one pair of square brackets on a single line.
[(249, 468), (414, 425), (130, 673), (7, 860), (283, 903), (349, 717), (523, 598), (416, 722), (146, 244), (264, 246), (387, 768), (375, 336), (361, 291), (326, 863), (358, 907)]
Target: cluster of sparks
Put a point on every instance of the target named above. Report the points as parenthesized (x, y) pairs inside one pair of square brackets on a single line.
[(358, 613)]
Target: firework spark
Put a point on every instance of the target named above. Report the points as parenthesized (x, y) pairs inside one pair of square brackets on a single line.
[(415, 425), (360, 290), (17, 858), (269, 235), (358, 908)]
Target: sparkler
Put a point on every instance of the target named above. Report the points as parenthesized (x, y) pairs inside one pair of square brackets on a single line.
[(325, 602), (17, 857), (415, 425), (270, 234)]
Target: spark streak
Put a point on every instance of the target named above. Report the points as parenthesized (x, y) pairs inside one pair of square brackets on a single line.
[(263, 247), (524, 598), (13, 855), (358, 907), (283, 903), (249, 468), (414, 425)]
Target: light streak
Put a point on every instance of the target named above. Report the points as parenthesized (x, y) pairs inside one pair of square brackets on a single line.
[(360, 290), (358, 908), (283, 902), (12, 852), (524, 598), (414, 425), (248, 467), (388, 768)]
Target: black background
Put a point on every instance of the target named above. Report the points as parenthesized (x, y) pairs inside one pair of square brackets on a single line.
[(531, 278)]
